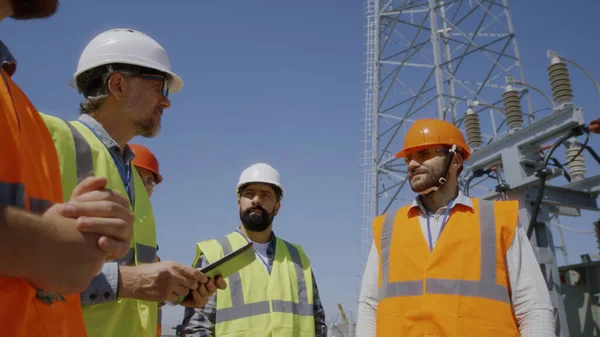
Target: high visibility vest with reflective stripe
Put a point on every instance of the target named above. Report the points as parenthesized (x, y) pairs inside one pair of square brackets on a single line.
[(30, 180), (81, 152), (459, 289), (258, 304)]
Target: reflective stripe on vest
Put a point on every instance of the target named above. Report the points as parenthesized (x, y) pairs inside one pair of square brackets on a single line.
[(84, 162), (240, 309), (146, 254), (486, 287), (13, 194), (39, 205)]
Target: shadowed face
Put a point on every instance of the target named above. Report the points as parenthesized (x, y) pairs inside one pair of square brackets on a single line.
[(32, 9), (148, 178)]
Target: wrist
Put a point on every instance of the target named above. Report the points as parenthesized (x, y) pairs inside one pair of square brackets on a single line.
[(126, 286)]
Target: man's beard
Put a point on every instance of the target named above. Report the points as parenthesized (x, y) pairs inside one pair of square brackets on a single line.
[(148, 127), (33, 9), (431, 179), (256, 222)]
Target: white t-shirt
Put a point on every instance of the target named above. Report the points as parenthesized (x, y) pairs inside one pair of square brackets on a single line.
[(261, 253)]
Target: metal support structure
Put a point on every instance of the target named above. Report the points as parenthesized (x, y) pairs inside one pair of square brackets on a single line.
[(518, 154)]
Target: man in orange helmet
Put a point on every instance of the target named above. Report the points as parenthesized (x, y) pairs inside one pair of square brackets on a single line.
[(147, 166), (480, 278)]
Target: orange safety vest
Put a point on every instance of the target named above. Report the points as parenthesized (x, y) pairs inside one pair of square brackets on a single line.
[(30, 179), (458, 289)]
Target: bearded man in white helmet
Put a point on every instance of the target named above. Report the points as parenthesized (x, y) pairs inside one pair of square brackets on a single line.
[(125, 77), (276, 295)]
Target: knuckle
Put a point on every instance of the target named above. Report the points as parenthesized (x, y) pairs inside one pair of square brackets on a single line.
[(101, 195), (123, 228), (109, 207)]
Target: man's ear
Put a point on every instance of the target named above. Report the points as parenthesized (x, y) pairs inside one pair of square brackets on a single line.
[(277, 205), (116, 83), (458, 160)]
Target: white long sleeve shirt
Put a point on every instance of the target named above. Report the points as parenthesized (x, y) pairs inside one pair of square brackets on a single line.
[(529, 296)]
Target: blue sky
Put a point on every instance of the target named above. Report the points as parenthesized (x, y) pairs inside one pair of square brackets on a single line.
[(279, 82)]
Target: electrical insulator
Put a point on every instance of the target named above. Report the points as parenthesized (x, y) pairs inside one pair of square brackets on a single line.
[(559, 81), (575, 166), (512, 108), (473, 129)]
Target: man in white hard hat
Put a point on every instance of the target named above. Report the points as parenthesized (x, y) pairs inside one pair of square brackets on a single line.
[(276, 295), (125, 77)]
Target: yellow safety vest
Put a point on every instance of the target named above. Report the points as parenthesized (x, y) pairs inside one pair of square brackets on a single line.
[(258, 304), (79, 152)]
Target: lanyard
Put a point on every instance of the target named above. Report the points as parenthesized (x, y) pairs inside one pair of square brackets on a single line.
[(441, 228), (124, 170), (256, 253)]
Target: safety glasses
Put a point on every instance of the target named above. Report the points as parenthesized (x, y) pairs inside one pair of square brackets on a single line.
[(162, 79), (425, 154), (150, 182)]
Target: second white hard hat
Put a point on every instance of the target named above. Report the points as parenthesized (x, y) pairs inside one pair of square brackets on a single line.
[(260, 173), (127, 46)]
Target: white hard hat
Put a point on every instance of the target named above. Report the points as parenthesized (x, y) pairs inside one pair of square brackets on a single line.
[(127, 46), (260, 173)]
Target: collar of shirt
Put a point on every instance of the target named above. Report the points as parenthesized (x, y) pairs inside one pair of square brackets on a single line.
[(271, 241), (7, 60), (126, 154), (461, 199)]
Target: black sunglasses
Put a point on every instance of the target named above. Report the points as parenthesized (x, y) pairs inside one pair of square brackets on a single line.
[(162, 79)]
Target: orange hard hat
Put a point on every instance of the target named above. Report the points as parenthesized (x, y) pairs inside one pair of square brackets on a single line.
[(144, 158), (429, 132)]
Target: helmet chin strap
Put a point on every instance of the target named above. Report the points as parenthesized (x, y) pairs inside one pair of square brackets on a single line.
[(443, 177)]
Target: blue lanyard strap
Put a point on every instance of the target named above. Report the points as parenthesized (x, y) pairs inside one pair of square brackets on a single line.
[(124, 170), (441, 228)]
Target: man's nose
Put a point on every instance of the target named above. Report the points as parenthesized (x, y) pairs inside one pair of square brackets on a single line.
[(413, 165), (165, 103)]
